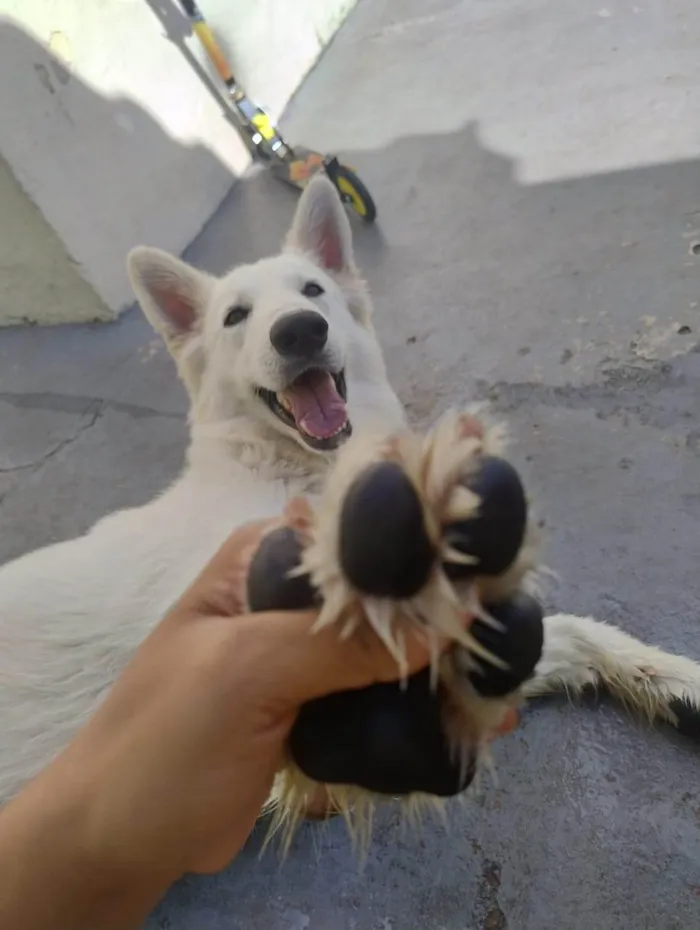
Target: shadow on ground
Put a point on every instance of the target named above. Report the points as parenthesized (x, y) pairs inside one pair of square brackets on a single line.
[(572, 307)]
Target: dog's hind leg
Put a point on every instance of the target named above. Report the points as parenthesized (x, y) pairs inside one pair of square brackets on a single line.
[(582, 654)]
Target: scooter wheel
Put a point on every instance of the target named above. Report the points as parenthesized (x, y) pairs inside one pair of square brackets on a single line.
[(354, 193)]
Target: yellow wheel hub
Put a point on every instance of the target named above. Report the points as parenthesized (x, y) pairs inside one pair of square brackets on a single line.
[(346, 188)]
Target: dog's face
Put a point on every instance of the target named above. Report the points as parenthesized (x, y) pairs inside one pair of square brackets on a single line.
[(286, 341), (280, 334)]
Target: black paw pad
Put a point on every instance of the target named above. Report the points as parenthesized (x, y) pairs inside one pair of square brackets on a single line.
[(519, 645), (385, 550), (688, 717), (382, 738), (269, 584), (496, 534)]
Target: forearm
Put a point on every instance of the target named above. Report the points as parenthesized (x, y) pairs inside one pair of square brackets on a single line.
[(53, 876)]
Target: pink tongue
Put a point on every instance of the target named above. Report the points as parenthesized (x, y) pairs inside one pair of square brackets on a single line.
[(317, 407)]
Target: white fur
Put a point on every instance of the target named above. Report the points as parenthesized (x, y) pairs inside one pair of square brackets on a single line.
[(72, 614), (581, 653)]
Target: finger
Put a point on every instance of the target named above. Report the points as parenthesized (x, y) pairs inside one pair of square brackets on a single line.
[(301, 663), (299, 515)]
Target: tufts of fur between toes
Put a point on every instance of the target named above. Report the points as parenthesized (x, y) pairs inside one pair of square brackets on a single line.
[(435, 464), (292, 791)]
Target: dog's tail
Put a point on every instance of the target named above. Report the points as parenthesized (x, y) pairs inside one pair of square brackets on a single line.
[(581, 654)]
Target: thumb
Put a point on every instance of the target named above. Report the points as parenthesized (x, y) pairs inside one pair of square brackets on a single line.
[(302, 663)]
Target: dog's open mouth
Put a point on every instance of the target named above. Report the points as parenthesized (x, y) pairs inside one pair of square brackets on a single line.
[(314, 404)]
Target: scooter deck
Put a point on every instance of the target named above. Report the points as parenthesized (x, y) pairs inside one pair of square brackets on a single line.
[(299, 168)]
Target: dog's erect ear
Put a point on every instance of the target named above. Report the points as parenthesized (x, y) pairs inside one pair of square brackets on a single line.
[(321, 227), (171, 293)]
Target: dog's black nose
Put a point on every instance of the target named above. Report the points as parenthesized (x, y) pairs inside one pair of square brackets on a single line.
[(301, 334)]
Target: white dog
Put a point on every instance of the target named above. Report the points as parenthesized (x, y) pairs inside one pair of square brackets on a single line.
[(281, 364)]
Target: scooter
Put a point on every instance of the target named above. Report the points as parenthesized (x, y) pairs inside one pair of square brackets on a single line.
[(293, 165)]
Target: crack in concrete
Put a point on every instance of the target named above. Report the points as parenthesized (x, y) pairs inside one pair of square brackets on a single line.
[(72, 403), (625, 389), (95, 410)]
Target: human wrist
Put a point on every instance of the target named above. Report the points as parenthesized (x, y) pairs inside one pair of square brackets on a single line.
[(93, 787), (58, 867)]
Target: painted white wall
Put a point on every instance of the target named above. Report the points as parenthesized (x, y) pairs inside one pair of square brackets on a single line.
[(111, 132)]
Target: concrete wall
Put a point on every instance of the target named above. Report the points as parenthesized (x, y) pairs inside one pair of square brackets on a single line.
[(38, 280), (108, 124)]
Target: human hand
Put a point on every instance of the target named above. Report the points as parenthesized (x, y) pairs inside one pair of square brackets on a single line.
[(179, 760)]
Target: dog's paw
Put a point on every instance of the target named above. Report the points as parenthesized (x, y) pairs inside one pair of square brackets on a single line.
[(387, 738), (422, 532)]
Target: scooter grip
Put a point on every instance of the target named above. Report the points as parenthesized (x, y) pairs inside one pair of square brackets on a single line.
[(190, 8)]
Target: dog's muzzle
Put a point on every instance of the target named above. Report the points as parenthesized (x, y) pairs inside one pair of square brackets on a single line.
[(314, 399)]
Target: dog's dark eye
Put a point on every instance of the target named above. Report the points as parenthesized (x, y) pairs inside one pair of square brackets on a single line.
[(236, 315), (312, 289)]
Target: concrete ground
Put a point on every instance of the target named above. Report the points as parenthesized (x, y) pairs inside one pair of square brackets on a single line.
[(536, 170)]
